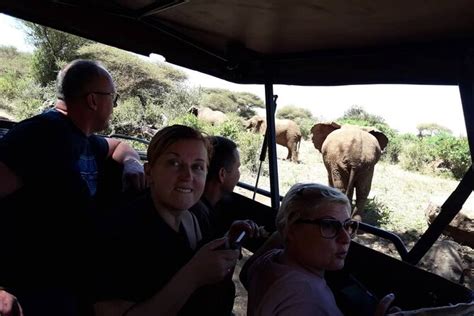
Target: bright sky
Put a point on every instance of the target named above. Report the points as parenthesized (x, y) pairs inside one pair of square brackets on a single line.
[(402, 106)]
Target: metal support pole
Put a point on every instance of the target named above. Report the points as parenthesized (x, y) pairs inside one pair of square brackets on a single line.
[(272, 155)]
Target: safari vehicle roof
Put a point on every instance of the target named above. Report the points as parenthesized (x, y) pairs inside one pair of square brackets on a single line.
[(303, 42)]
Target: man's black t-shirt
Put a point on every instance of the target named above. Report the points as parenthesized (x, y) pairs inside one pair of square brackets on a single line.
[(47, 224)]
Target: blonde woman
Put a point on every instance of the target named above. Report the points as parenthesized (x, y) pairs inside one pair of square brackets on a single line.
[(316, 228)]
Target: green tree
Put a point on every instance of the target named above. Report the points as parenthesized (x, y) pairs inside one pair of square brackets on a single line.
[(135, 76), (292, 112), (431, 129), (358, 113), (243, 103), (303, 117), (52, 50)]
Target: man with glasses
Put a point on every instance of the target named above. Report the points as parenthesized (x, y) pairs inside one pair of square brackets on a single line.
[(50, 167)]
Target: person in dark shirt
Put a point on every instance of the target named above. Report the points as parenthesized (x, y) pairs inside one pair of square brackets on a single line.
[(221, 180), (223, 176), (50, 166), (155, 261)]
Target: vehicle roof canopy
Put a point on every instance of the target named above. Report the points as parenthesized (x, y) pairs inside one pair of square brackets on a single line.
[(303, 42)]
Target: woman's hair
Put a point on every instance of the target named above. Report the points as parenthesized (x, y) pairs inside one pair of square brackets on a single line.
[(304, 199), (170, 135)]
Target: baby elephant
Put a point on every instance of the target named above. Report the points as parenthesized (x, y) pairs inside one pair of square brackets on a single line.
[(350, 154)]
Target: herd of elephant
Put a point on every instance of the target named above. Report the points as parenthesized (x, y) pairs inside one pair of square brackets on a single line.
[(349, 152)]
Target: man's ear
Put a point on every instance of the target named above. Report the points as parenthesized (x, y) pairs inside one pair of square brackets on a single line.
[(222, 174), (147, 169), (91, 102), (290, 234)]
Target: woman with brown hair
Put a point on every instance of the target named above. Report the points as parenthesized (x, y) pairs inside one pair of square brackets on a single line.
[(155, 262)]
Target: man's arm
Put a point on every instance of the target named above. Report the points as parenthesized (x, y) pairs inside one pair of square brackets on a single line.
[(10, 181), (123, 153)]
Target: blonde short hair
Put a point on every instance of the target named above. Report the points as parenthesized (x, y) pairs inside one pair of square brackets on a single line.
[(304, 199)]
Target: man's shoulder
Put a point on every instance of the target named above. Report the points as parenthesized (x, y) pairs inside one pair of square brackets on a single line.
[(41, 123)]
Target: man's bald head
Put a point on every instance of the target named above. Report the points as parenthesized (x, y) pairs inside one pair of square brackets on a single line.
[(77, 78)]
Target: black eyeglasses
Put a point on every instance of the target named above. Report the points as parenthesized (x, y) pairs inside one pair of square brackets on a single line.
[(115, 95), (330, 228)]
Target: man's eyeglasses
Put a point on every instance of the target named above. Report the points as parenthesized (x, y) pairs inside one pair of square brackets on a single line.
[(330, 228), (115, 95)]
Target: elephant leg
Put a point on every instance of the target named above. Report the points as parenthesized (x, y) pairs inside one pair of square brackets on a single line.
[(294, 152), (328, 169), (363, 186), (339, 179)]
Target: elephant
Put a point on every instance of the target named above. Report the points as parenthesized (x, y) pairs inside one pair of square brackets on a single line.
[(288, 133), (350, 153), (208, 115)]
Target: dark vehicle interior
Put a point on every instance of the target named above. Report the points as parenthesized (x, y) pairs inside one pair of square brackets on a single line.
[(303, 42)]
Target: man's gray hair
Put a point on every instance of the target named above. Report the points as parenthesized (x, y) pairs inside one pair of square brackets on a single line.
[(73, 80)]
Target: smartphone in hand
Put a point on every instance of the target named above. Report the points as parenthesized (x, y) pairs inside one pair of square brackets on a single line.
[(236, 242)]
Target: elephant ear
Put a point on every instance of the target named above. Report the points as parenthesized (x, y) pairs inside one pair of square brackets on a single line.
[(320, 131), (383, 140)]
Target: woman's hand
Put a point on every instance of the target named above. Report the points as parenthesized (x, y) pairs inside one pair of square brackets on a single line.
[(384, 305), (250, 227), (211, 265)]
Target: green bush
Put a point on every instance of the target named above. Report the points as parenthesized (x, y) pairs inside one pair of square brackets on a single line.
[(128, 117), (305, 125), (9, 85), (32, 99), (451, 151), (250, 146), (230, 128), (188, 120), (415, 156)]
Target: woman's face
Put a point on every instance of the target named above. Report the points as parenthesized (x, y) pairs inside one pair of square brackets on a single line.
[(307, 247), (178, 176)]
